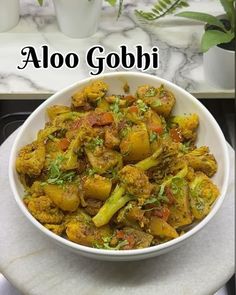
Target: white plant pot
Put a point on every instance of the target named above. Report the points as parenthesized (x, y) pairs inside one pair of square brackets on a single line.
[(219, 67), (9, 14), (218, 64), (78, 18)]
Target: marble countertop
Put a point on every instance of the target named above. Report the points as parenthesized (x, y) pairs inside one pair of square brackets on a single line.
[(177, 39), (37, 266)]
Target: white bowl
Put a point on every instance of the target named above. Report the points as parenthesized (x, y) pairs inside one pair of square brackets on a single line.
[(209, 133)]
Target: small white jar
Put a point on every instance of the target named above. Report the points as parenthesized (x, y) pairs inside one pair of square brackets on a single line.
[(219, 67), (9, 14), (78, 18)]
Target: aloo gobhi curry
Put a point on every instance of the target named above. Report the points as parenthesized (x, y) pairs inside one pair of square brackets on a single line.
[(118, 171)]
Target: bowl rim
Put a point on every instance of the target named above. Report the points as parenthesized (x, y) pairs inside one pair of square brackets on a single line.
[(119, 253)]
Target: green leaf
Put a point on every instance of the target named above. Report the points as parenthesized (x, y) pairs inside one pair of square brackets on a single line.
[(120, 8), (184, 4), (112, 2), (40, 2), (161, 8), (203, 17), (229, 8), (214, 37), (163, 4)]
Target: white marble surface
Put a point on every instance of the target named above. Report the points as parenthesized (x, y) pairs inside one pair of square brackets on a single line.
[(177, 39), (36, 266)]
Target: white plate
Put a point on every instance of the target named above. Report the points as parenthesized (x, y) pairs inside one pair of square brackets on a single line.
[(209, 133), (38, 267)]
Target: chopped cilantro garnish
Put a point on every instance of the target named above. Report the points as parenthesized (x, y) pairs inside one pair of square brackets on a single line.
[(125, 131), (150, 209), (184, 147), (56, 176), (142, 106), (162, 91), (106, 244), (94, 143), (62, 178), (174, 188), (115, 107), (51, 137), (156, 103), (111, 173), (152, 136), (151, 200), (161, 191), (174, 185), (157, 200), (151, 92), (54, 168), (200, 204), (91, 171)]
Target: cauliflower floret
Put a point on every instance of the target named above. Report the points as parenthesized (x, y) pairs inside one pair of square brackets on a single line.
[(92, 92), (103, 159), (203, 192), (112, 140), (200, 160), (188, 125), (31, 159), (44, 210), (136, 182), (132, 215), (57, 229), (36, 189), (159, 99), (130, 238), (80, 229), (55, 110)]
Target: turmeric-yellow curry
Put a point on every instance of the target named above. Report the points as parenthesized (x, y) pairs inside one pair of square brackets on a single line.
[(118, 171)]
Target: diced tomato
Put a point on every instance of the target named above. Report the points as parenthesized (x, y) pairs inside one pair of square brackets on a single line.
[(176, 134), (130, 240), (76, 124), (100, 119), (170, 195), (120, 234), (92, 119), (133, 109), (157, 212), (105, 119), (64, 144), (163, 213), (129, 98), (156, 128)]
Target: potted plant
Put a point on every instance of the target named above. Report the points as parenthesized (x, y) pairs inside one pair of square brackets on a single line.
[(77, 18), (218, 40), (9, 14), (218, 44)]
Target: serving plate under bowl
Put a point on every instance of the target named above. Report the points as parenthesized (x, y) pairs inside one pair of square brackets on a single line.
[(209, 133)]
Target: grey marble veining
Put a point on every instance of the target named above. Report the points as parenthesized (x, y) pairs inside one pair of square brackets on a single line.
[(178, 41)]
